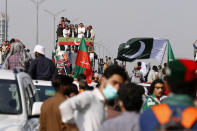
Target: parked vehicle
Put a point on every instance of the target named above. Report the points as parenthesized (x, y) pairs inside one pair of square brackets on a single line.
[(44, 88), (20, 106)]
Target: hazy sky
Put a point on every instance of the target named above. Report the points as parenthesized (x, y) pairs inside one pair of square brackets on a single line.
[(114, 21)]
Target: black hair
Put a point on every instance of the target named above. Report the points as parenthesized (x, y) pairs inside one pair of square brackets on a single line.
[(165, 64), (115, 69), (58, 80), (131, 96), (155, 68), (81, 77), (182, 87), (152, 87), (84, 85), (73, 89), (12, 40), (139, 63), (159, 67), (62, 47)]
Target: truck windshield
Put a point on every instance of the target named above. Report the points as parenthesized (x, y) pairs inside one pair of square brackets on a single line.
[(10, 102)]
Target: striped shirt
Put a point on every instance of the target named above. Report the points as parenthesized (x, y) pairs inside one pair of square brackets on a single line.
[(14, 61)]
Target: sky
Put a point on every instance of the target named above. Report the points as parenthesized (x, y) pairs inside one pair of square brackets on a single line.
[(114, 22)]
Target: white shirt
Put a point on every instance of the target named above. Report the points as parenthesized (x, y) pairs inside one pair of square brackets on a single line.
[(89, 107), (151, 76), (81, 32), (92, 33), (66, 32)]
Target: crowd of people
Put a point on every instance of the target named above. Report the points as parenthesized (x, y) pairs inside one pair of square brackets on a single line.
[(68, 30), (143, 73), (113, 103), (115, 100)]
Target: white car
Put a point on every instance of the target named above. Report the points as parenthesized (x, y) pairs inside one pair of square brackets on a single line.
[(44, 88), (19, 106)]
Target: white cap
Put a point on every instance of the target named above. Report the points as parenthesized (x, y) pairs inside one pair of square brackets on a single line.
[(40, 49)]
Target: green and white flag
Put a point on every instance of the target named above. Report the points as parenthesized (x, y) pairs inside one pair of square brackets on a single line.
[(142, 48), (170, 53)]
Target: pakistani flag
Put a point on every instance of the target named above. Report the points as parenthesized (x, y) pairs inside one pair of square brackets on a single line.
[(82, 63), (142, 48)]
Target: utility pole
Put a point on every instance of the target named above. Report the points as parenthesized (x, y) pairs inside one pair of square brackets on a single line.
[(37, 3), (54, 20), (6, 20)]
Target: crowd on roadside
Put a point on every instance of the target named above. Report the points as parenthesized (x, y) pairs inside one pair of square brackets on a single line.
[(113, 103), (68, 30), (115, 100)]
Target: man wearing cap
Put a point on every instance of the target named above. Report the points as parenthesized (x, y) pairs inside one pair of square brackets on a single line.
[(41, 68), (181, 81)]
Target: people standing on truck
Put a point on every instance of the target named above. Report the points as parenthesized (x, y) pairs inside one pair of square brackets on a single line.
[(87, 32), (59, 31), (72, 31), (41, 68), (76, 30), (81, 30), (66, 32), (92, 34)]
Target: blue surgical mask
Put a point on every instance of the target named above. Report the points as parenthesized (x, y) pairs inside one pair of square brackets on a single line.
[(110, 92)]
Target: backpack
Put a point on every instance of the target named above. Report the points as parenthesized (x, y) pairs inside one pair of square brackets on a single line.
[(184, 120)]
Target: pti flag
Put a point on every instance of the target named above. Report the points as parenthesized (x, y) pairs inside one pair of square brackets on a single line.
[(142, 48), (82, 63)]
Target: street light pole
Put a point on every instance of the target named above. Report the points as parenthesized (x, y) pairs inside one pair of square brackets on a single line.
[(54, 18), (6, 20), (36, 21), (37, 3)]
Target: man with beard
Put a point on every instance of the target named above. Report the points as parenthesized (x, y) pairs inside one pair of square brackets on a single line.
[(41, 68), (50, 118)]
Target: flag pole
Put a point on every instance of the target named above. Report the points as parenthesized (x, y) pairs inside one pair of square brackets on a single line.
[(164, 53)]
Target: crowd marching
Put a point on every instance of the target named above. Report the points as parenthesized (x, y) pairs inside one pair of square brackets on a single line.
[(115, 100)]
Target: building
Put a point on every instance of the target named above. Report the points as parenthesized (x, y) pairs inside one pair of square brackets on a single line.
[(2, 29)]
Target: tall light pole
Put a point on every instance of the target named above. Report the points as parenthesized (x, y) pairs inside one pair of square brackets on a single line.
[(37, 3), (6, 20), (54, 18), (99, 45)]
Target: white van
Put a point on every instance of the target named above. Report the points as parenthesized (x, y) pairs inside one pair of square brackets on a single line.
[(19, 106)]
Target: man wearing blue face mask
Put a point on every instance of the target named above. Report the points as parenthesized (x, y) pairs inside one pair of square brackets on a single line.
[(88, 108)]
